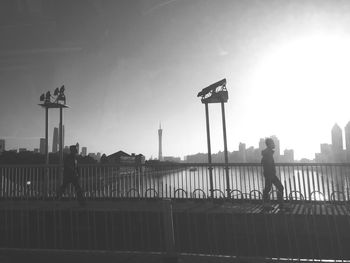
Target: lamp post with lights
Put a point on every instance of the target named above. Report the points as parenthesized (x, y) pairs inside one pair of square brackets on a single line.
[(216, 93), (57, 101)]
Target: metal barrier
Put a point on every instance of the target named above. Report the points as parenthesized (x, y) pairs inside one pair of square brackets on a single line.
[(310, 182), (321, 232)]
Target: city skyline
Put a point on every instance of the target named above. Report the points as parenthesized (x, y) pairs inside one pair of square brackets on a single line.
[(336, 151), (126, 65)]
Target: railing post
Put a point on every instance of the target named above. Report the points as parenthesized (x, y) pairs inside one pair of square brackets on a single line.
[(169, 237), (228, 188), (46, 172), (209, 152)]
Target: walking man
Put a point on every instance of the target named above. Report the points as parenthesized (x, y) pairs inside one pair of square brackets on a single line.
[(269, 168), (70, 175)]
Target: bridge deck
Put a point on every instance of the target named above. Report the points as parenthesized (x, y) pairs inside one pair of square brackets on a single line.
[(242, 229), (251, 207)]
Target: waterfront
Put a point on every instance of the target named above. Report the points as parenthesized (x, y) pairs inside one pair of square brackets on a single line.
[(321, 182)]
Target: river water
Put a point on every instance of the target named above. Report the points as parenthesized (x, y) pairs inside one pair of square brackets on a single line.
[(310, 183)]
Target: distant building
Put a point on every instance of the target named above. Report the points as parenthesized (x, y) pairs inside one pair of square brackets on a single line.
[(22, 150), (337, 138), (172, 159), (277, 154), (36, 150), (2, 145), (325, 155), (121, 157), (42, 145), (262, 144), (77, 145), (253, 155), (337, 144), (56, 139), (347, 141), (92, 155), (288, 156), (242, 153), (66, 149), (83, 151), (95, 156), (197, 158)]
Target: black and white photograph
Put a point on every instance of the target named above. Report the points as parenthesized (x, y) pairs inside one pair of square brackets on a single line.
[(174, 131)]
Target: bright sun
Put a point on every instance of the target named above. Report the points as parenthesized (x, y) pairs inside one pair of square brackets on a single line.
[(306, 81)]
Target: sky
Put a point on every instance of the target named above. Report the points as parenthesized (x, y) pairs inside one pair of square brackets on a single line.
[(130, 65)]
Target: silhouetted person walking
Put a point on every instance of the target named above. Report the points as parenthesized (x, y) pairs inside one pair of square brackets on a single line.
[(269, 168), (70, 174)]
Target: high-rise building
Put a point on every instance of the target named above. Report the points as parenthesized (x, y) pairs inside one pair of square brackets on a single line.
[(55, 140), (337, 138), (288, 156), (347, 141), (277, 148), (42, 145), (77, 145), (83, 151), (262, 144), (160, 153), (2, 145), (242, 152), (66, 150)]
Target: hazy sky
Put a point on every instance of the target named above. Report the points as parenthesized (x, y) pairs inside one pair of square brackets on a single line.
[(129, 65)]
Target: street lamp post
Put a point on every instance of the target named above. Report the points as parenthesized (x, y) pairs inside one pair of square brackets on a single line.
[(57, 101), (216, 93)]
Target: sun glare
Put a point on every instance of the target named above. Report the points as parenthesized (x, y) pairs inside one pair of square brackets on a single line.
[(306, 82)]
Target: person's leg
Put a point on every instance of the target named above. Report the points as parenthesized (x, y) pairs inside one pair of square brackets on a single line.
[(267, 189), (62, 188), (78, 190), (276, 181)]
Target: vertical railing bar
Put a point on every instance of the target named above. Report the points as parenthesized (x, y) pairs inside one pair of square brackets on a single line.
[(317, 179), (304, 185), (308, 183)]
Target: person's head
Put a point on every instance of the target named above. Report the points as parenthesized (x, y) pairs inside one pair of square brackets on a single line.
[(73, 149), (270, 143)]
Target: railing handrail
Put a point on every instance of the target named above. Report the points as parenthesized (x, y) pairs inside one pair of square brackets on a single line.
[(332, 180), (294, 164)]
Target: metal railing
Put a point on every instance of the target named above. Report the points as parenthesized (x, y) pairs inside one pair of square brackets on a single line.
[(308, 182), (172, 228)]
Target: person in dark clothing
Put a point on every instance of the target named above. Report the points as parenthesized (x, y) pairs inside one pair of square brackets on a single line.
[(269, 169), (70, 174)]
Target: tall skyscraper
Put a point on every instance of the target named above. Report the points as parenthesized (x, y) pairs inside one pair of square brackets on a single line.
[(277, 154), (242, 152), (347, 141), (337, 144), (77, 145), (337, 138), (42, 145), (288, 156), (55, 140), (2, 145), (262, 144), (83, 151), (160, 154)]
